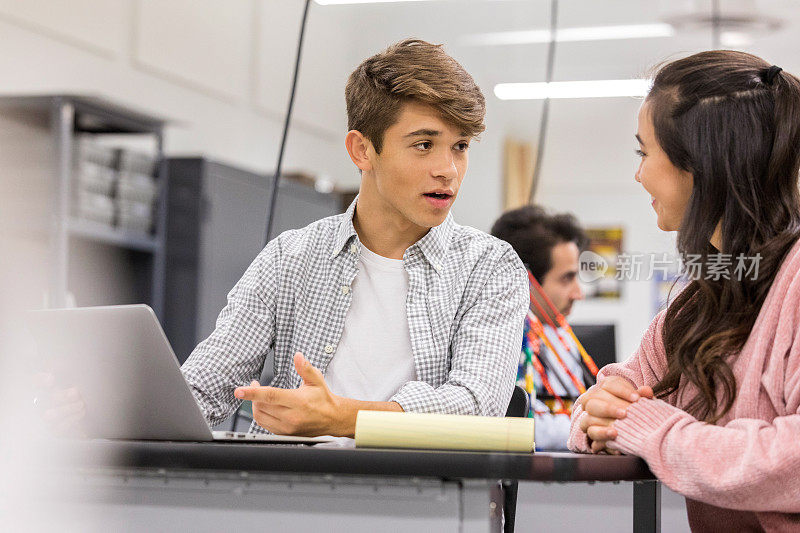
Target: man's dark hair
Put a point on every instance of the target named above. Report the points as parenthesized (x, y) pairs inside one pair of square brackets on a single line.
[(533, 233)]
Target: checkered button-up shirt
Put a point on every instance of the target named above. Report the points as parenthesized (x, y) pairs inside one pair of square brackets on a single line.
[(466, 303)]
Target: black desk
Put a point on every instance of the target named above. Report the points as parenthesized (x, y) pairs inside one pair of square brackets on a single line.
[(474, 474)]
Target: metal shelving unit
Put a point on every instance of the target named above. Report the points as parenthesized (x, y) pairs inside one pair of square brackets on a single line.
[(217, 217), (67, 116), (113, 236)]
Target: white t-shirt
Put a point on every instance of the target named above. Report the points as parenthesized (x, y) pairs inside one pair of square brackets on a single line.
[(374, 358)]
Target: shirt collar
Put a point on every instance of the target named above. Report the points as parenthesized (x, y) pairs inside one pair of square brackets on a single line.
[(433, 245), (436, 242), (346, 230)]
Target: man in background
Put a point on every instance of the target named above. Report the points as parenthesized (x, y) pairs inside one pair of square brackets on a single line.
[(550, 246)]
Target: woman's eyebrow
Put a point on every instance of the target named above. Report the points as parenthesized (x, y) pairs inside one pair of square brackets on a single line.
[(639, 139)]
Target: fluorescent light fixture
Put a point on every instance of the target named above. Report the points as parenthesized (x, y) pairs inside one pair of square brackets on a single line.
[(735, 39), (572, 89), (342, 2), (589, 33)]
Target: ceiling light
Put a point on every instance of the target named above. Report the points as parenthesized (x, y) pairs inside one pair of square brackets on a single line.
[(589, 33), (735, 39), (342, 2), (572, 89)]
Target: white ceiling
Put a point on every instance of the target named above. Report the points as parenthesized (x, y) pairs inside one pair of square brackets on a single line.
[(449, 21)]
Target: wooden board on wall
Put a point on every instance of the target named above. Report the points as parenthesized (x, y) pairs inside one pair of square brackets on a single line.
[(518, 162)]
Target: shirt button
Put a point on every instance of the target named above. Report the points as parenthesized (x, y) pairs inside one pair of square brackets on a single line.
[(329, 348), (438, 267), (353, 249), (345, 289)]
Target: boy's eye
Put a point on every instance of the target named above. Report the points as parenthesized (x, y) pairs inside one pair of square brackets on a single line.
[(462, 146), (424, 145)]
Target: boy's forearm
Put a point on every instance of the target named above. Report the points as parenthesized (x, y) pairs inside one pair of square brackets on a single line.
[(345, 423)]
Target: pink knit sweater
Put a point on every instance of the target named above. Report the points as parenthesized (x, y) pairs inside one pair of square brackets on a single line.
[(742, 474)]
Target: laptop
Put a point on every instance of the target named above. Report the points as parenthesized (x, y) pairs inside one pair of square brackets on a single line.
[(128, 376)]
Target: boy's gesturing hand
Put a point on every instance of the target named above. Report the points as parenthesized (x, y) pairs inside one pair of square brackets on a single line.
[(310, 410)]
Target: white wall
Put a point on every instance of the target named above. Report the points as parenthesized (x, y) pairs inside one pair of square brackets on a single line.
[(220, 71)]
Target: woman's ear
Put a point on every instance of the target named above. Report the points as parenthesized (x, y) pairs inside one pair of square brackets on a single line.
[(359, 149)]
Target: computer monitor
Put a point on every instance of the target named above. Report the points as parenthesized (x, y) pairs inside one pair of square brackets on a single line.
[(600, 341)]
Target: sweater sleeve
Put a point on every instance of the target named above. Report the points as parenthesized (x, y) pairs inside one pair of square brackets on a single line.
[(746, 464), (644, 367)]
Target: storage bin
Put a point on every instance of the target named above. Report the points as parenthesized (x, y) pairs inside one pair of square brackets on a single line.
[(134, 186), (130, 161), (95, 207)]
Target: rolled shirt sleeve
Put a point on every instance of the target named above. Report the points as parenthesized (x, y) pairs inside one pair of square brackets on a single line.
[(234, 354)]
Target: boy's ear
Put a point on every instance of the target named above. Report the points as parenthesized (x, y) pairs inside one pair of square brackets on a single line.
[(359, 149)]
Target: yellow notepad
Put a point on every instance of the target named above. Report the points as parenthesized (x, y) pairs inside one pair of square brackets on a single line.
[(385, 429)]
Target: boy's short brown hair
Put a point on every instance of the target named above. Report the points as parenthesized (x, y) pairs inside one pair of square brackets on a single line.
[(411, 70)]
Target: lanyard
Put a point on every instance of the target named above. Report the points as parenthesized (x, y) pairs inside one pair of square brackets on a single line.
[(587, 359), (538, 329), (532, 351)]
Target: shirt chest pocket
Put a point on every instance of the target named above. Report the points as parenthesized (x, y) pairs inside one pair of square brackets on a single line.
[(441, 310)]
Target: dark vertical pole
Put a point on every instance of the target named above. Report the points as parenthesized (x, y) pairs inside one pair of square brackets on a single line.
[(273, 197), (62, 123), (510, 490), (646, 506), (158, 288), (549, 67), (716, 23), (274, 191)]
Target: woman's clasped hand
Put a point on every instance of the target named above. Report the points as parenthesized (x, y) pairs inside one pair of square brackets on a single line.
[(604, 403)]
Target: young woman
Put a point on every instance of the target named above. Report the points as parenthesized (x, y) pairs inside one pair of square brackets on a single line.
[(711, 399)]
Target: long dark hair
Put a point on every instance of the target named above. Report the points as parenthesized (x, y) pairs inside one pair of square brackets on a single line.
[(734, 123)]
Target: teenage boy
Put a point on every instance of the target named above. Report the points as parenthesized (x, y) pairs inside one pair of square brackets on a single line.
[(392, 305)]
